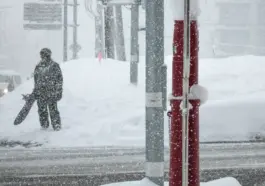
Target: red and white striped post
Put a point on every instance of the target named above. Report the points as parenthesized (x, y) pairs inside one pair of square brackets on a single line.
[(176, 143)]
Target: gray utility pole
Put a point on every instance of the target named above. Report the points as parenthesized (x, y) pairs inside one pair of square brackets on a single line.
[(99, 41), (154, 101), (119, 35), (134, 44), (109, 40), (65, 31), (75, 25)]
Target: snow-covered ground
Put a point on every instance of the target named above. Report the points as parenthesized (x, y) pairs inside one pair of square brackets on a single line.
[(228, 181), (100, 107)]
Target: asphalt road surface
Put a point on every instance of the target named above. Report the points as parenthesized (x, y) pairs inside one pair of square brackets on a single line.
[(97, 165)]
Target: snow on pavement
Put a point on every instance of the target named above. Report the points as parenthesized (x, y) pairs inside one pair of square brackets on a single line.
[(228, 181), (100, 107)]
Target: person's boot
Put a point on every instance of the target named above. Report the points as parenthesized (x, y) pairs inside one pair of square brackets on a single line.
[(45, 126), (57, 127)]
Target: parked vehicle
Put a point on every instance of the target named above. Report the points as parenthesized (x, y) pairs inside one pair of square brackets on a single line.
[(9, 81)]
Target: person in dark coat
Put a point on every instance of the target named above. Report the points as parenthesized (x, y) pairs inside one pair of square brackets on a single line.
[(48, 90)]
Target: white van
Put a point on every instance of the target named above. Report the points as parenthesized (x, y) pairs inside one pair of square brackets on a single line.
[(9, 81)]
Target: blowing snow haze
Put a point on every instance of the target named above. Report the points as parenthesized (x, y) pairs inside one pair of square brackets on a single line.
[(21, 52), (95, 92)]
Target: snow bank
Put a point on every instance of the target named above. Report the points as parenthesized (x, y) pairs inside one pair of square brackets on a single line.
[(100, 107), (228, 181), (144, 182)]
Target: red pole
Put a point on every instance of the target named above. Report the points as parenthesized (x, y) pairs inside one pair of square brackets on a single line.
[(175, 174), (194, 160)]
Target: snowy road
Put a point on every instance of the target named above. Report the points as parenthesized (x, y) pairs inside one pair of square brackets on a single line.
[(97, 160), (98, 165)]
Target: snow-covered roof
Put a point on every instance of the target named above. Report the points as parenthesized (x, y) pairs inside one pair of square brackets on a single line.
[(8, 72)]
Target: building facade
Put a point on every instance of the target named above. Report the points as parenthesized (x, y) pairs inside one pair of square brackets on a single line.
[(240, 28)]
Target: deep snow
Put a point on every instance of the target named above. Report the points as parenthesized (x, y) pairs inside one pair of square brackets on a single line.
[(100, 107), (228, 181)]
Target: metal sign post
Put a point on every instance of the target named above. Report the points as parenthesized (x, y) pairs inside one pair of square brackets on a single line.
[(185, 100), (65, 31), (76, 46), (134, 44), (134, 35)]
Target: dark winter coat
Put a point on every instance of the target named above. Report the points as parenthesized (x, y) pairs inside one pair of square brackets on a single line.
[(48, 81)]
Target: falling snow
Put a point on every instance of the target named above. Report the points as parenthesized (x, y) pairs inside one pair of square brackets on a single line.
[(70, 115)]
